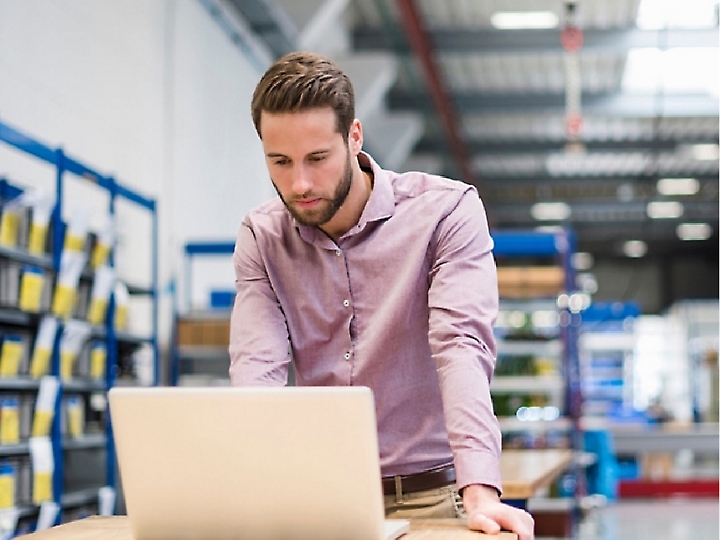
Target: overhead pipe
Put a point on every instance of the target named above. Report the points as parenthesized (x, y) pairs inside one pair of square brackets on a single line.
[(420, 44)]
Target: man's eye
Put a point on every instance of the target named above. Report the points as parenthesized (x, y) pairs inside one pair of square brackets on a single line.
[(280, 162), (317, 158)]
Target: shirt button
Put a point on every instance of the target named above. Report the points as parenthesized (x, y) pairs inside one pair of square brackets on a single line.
[(346, 303), (347, 356), (338, 252)]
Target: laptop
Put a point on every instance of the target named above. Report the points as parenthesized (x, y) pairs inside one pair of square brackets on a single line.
[(259, 463)]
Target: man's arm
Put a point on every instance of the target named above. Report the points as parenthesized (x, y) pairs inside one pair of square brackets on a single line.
[(259, 343), (463, 300)]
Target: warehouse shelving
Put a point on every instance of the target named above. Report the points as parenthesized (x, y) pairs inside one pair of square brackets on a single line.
[(90, 452), (536, 332), (607, 346), (536, 386), (199, 354)]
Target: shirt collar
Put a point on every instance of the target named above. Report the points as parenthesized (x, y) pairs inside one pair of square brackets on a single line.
[(380, 204)]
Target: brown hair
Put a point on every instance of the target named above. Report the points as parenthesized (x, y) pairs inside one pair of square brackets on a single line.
[(303, 80)]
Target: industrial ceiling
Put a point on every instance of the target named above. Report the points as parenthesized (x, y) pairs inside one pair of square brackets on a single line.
[(539, 115)]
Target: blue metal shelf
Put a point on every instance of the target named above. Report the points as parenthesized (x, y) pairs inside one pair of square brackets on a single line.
[(66, 164), (531, 243)]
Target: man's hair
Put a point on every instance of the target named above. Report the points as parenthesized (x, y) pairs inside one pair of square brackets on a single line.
[(300, 81)]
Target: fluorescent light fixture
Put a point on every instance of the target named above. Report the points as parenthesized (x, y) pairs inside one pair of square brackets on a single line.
[(678, 186), (694, 231), (665, 209), (524, 20), (635, 248), (705, 152), (550, 211)]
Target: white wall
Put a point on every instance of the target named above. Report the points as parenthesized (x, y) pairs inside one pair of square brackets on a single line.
[(150, 91)]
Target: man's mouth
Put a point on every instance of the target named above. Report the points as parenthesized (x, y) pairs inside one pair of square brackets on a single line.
[(307, 204)]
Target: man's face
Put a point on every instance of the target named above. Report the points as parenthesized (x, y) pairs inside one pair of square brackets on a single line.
[(309, 163)]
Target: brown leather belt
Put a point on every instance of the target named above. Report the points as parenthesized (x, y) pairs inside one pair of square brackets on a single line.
[(412, 483)]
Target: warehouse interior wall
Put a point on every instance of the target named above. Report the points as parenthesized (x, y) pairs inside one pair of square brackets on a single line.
[(152, 92)]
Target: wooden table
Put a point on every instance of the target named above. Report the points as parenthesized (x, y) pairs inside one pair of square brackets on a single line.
[(524, 472), (118, 528)]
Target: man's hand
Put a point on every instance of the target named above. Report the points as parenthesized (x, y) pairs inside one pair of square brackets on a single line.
[(487, 514)]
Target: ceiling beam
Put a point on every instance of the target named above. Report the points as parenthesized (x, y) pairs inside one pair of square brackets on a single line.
[(509, 145), (594, 212), (644, 105), (489, 40), (417, 37)]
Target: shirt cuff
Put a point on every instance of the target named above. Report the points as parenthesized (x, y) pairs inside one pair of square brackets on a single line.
[(475, 467)]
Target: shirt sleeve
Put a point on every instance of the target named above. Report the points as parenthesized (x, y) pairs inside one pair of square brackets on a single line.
[(259, 343), (463, 302)]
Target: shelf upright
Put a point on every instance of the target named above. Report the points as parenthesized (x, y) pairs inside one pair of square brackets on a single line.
[(64, 164)]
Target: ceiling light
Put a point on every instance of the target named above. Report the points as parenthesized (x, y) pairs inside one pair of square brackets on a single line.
[(664, 209), (694, 231), (635, 248), (550, 211), (524, 20), (678, 186), (705, 152)]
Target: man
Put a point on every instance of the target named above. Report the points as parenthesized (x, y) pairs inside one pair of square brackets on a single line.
[(368, 277)]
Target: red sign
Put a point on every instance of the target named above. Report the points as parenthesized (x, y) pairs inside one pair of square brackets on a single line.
[(571, 38)]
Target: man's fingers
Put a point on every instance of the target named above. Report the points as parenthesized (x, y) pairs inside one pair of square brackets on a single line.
[(480, 522)]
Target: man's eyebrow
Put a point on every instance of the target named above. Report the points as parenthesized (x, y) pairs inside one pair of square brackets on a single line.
[(275, 154)]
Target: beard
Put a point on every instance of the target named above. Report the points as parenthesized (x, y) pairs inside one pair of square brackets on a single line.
[(328, 206)]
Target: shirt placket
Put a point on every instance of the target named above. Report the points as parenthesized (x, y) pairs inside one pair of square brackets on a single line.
[(348, 355)]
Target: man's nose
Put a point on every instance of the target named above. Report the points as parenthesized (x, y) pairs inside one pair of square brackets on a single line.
[(301, 182)]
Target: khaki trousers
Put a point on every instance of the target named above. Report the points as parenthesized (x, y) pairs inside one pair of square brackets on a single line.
[(444, 502)]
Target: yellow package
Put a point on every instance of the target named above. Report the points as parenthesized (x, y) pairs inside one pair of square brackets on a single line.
[(100, 255), (41, 423), (63, 301), (36, 241), (31, 288), (74, 243), (9, 224), (40, 363), (120, 318), (7, 487), (75, 418), (98, 358), (42, 487), (11, 356), (97, 311), (67, 363), (10, 422)]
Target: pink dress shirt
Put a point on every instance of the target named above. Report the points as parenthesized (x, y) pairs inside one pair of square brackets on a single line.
[(404, 303)]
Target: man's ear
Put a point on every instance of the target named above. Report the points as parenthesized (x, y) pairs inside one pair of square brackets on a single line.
[(355, 137)]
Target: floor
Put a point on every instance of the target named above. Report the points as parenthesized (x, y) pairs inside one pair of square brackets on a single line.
[(659, 519)]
